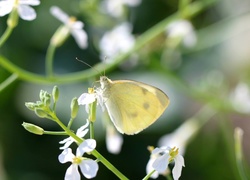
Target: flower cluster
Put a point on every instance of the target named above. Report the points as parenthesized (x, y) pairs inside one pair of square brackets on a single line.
[(161, 157)]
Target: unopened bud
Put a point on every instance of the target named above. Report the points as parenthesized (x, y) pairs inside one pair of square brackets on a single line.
[(40, 113), (55, 93), (74, 107), (33, 128)]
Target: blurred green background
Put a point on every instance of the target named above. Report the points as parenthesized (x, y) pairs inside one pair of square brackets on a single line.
[(208, 73)]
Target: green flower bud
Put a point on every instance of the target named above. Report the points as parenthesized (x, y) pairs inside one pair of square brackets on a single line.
[(55, 93), (13, 18), (61, 34), (40, 113), (47, 101), (41, 95), (33, 128), (30, 105), (74, 107)]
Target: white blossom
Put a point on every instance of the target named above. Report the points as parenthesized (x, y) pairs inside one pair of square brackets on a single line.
[(23, 8), (87, 166), (114, 140), (161, 157), (184, 30), (72, 26), (116, 8), (240, 98), (117, 41)]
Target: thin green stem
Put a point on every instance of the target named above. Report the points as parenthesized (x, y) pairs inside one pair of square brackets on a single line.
[(149, 175), (70, 122), (8, 81), (49, 60), (92, 132), (55, 133), (109, 165), (5, 35), (238, 133)]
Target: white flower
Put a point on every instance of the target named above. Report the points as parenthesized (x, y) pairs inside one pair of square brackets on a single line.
[(88, 167), (24, 10), (81, 132), (118, 40), (182, 29), (114, 140), (115, 8), (240, 98), (72, 26), (88, 98), (160, 159)]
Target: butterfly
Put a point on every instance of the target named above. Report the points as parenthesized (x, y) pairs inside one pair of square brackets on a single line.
[(132, 106)]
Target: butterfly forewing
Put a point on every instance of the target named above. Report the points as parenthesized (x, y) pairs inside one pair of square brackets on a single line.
[(133, 106)]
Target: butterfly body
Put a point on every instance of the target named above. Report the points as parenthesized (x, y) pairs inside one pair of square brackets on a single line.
[(131, 105)]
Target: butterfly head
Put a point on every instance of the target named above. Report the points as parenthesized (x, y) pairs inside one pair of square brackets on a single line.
[(105, 82)]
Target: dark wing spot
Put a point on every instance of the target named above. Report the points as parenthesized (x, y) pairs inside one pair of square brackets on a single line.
[(146, 105), (134, 114), (144, 91)]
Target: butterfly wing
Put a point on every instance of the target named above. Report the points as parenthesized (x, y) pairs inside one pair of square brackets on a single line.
[(133, 106)]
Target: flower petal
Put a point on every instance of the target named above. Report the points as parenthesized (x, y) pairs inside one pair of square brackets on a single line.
[(87, 146), (66, 156), (89, 168), (160, 150), (114, 140), (161, 163), (59, 14), (72, 173), (67, 142), (26, 12), (179, 162), (149, 168), (81, 37), (86, 98), (5, 7), (29, 2)]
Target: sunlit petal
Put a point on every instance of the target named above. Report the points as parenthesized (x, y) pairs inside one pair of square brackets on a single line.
[(59, 14), (161, 163), (26, 12), (86, 146), (72, 173), (66, 156), (89, 168), (80, 37), (5, 7)]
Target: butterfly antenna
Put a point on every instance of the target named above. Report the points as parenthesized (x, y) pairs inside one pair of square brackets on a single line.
[(87, 64)]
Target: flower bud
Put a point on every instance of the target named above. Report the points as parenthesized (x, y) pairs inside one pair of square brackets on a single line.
[(13, 18), (33, 128), (60, 36), (55, 93), (40, 113), (74, 107), (30, 105)]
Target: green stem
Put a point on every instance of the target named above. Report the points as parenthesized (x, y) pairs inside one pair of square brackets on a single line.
[(8, 81), (238, 133), (144, 39), (49, 60), (109, 165), (6, 35), (55, 133), (70, 122), (149, 175), (91, 127)]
